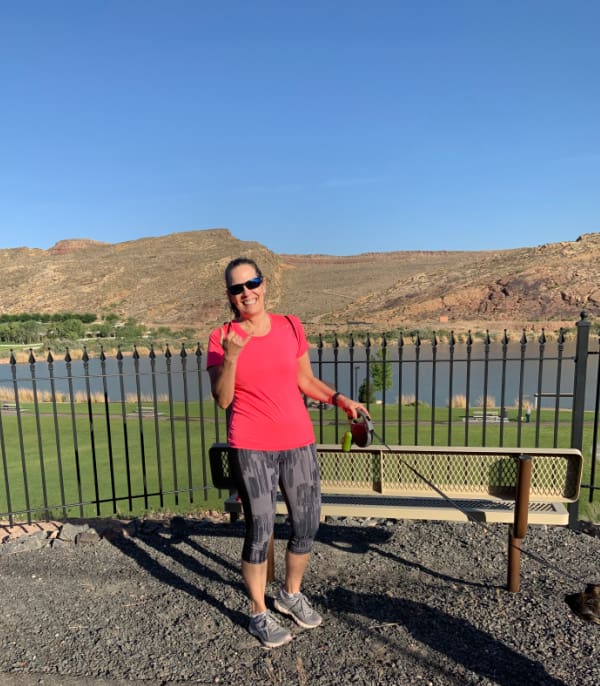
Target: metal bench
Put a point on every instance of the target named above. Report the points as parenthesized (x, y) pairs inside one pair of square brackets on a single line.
[(516, 486), (489, 417)]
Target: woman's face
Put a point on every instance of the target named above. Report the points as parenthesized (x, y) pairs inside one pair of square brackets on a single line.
[(251, 300)]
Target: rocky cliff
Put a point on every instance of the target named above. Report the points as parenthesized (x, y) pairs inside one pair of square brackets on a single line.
[(176, 280)]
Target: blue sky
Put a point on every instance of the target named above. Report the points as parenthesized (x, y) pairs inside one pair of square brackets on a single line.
[(332, 127)]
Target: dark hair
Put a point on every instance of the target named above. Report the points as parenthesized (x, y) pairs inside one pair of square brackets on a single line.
[(230, 267)]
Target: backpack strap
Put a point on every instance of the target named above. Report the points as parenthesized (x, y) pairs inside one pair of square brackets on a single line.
[(287, 316)]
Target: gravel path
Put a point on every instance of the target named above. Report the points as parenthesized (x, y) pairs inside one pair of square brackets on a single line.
[(403, 602)]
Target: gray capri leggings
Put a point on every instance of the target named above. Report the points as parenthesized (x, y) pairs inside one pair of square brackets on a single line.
[(257, 474)]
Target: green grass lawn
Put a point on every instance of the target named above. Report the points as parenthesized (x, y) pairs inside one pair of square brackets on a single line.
[(85, 454), (83, 459)]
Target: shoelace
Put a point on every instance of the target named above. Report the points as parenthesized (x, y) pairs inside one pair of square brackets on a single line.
[(267, 621), (304, 605)]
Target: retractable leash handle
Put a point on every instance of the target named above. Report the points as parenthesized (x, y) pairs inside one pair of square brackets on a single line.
[(360, 433)]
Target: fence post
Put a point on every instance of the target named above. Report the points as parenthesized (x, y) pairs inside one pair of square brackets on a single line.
[(579, 381)]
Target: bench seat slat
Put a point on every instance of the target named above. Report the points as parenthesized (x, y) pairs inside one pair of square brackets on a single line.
[(437, 509)]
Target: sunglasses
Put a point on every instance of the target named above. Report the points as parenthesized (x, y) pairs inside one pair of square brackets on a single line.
[(238, 288)]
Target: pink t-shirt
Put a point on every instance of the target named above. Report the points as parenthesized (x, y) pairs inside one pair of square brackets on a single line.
[(268, 411)]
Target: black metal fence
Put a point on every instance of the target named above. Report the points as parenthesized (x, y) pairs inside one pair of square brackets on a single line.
[(115, 435)]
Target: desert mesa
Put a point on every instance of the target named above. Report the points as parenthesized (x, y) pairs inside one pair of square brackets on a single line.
[(176, 280)]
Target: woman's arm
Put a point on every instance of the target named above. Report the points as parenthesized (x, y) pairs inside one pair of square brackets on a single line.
[(222, 382), (318, 390)]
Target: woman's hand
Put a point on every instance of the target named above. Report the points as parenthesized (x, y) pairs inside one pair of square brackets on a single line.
[(233, 344), (350, 407)]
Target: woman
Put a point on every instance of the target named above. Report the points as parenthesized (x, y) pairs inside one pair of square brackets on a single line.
[(259, 370)]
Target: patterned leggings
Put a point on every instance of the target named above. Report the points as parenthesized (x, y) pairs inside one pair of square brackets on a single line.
[(257, 474)]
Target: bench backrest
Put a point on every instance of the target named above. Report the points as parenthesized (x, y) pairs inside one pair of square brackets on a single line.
[(460, 472)]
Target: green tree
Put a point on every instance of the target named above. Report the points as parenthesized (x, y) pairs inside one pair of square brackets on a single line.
[(111, 318), (130, 330), (69, 329), (17, 333), (105, 330), (32, 331), (381, 373), (366, 393)]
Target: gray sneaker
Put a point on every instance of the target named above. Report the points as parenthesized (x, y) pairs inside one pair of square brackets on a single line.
[(299, 609), (268, 630)]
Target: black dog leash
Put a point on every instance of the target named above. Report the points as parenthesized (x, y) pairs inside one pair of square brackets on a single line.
[(534, 556), (362, 432)]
